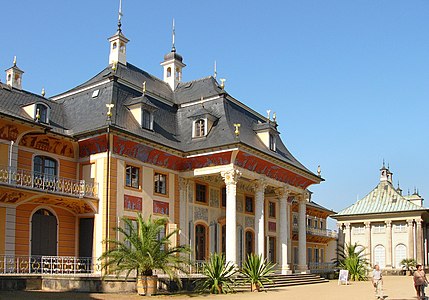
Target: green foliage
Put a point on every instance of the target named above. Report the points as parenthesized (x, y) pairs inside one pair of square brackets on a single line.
[(143, 250), (256, 271), (219, 275), (352, 258), (408, 264)]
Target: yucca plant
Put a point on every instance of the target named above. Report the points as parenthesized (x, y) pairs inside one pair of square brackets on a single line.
[(219, 275), (256, 271), (409, 264), (352, 258), (143, 250)]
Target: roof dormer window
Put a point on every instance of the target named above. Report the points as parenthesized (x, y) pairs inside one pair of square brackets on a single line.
[(147, 119), (272, 142), (41, 113), (199, 128)]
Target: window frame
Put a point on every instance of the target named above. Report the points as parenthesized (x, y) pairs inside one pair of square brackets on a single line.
[(44, 159), (222, 193), (157, 192), (247, 197), (271, 213), (130, 185), (272, 142), (43, 111), (198, 133), (199, 193), (147, 112)]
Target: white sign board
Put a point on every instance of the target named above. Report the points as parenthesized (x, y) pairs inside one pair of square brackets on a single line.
[(343, 277)]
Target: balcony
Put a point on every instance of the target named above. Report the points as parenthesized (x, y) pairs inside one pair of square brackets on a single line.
[(318, 232), (47, 183)]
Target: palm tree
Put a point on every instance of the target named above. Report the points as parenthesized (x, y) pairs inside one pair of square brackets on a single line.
[(352, 258), (219, 275), (143, 249), (256, 270), (408, 264)]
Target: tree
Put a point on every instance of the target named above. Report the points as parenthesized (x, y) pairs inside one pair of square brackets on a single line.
[(219, 274), (409, 264), (352, 258), (256, 271), (144, 249)]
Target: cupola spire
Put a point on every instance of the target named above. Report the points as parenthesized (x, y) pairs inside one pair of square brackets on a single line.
[(14, 76), (118, 42), (173, 64)]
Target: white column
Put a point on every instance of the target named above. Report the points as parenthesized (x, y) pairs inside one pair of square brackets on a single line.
[(231, 179), (289, 240), (368, 241), (259, 218), (283, 231), (302, 235), (419, 242), (183, 219), (410, 238), (388, 244)]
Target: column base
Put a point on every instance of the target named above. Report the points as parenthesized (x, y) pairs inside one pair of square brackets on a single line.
[(285, 271), (302, 269)]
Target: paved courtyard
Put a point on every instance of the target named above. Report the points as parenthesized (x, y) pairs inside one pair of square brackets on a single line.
[(395, 288)]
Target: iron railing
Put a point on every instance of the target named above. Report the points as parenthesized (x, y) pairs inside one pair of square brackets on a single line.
[(47, 183), (58, 265), (318, 231)]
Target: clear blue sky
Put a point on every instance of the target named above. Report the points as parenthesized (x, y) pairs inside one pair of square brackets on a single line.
[(349, 80)]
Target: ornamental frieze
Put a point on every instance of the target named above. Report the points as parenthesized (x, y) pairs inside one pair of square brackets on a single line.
[(201, 214), (49, 144)]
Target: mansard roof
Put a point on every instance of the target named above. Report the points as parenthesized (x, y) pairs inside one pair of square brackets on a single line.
[(78, 112), (384, 198)]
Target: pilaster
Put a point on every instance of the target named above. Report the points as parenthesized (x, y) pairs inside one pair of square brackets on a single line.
[(388, 244), (410, 229)]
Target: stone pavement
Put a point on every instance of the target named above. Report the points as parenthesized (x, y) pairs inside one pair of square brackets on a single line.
[(395, 288)]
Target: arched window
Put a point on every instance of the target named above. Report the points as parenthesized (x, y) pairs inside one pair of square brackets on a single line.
[(249, 242), (43, 165), (379, 256), (200, 242), (359, 249), (199, 128), (44, 233), (400, 254), (41, 113), (114, 45), (178, 75), (169, 72), (122, 48)]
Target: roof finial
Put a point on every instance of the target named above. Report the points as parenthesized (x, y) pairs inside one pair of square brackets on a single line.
[(388, 166), (383, 163), (120, 16), (144, 87), (14, 61), (43, 92), (215, 70), (173, 48)]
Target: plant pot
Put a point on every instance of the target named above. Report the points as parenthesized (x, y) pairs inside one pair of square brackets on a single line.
[(147, 285), (255, 287)]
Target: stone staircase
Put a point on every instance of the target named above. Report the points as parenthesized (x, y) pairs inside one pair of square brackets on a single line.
[(281, 281)]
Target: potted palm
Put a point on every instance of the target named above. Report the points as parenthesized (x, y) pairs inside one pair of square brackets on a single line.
[(256, 271), (143, 250), (408, 264), (219, 275)]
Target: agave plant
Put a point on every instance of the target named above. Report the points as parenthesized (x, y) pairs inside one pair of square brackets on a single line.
[(352, 258), (256, 271), (219, 275)]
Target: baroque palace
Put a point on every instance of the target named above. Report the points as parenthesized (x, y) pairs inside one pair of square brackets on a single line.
[(73, 165)]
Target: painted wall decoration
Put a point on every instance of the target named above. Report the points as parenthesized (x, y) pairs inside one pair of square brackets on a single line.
[(11, 196), (255, 164), (93, 145), (49, 144), (161, 207), (75, 205), (160, 158), (8, 132), (272, 226), (133, 203)]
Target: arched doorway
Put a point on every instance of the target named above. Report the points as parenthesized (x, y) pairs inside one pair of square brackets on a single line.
[(400, 254), (200, 242), (43, 233), (379, 256), (249, 242)]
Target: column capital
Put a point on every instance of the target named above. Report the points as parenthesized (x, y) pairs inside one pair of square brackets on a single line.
[(231, 176), (367, 224), (410, 222), (419, 222), (282, 193), (347, 224), (260, 185), (388, 223), (183, 183)]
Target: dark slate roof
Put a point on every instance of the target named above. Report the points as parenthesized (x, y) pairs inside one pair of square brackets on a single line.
[(80, 113)]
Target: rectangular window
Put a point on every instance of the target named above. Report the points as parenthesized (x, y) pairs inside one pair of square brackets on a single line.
[(146, 119), (401, 227), (200, 193), (309, 255), (199, 128), (316, 255), (359, 230), (378, 228), (160, 183), (272, 143), (271, 209), (315, 224), (249, 204), (132, 176), (321, 224), (128, 230), (223, 196), (309, 223)]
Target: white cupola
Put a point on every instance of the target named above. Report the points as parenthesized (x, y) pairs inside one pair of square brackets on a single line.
[(173, 65), (385, 174), (14, 76), (118, 43)]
